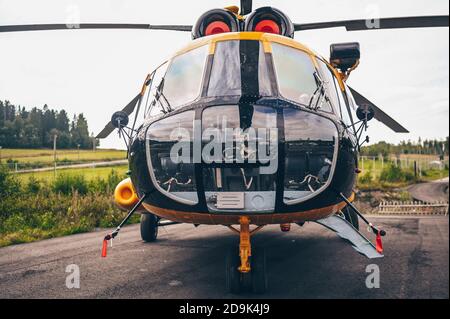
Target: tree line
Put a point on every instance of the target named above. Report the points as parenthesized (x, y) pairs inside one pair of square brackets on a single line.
[(428, 147), (36, 128)]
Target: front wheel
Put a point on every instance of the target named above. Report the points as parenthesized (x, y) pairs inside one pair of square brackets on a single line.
[(259, 271), (149, 227), (255, 281)]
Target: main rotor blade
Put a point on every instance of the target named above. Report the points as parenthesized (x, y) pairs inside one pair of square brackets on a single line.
[(128, 109), (132, 105), (109, 128), (246, 7), (47, 27), (383, 23), (380, 115)]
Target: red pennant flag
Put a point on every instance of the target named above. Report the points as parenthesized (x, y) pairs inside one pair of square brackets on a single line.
[(104, 248), (379, 244)]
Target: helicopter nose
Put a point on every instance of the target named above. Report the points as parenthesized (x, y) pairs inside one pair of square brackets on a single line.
[(242, 162)]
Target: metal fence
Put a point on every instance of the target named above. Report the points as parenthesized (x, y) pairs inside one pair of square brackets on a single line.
[(413, 208)]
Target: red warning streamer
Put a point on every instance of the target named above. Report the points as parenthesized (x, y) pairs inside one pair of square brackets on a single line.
[(105, 245), (379, 246), (104, 248)]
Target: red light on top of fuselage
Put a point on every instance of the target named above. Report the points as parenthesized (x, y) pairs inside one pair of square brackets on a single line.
[(217, 27), (268, 26)]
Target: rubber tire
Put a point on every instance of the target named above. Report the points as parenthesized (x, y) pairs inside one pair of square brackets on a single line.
[(255, 281), (149, 227), (259, 271), (232, 274), (351, 217)]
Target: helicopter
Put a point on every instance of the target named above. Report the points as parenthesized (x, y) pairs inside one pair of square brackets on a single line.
[(245, 127)]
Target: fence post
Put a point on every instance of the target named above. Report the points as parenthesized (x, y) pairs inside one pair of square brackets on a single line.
[(415, 170)]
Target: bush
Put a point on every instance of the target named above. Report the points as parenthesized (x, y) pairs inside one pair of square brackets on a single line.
[(394, 174), (9, 184), (366, 178), (67, 205), (33, 186), (47, 215), (68, 184), (105, 186)]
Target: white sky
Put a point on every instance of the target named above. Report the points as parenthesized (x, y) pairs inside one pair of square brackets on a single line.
[(96, 72)]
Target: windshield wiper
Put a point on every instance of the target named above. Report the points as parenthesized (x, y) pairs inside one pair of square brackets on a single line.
[(319, 94), (161, 95)]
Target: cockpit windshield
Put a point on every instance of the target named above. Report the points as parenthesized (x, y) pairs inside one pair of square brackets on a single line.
[(244, 69)]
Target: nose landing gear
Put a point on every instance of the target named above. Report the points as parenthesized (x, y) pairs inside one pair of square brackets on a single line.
[(246, 272)]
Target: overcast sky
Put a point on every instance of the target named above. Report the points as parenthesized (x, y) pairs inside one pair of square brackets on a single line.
[(96, 72)]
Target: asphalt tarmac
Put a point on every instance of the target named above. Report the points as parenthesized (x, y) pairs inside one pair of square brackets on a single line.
[(436, 191), (188, 262)]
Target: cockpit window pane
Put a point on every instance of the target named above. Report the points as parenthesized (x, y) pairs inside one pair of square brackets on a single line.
[(153, 105), (225, 77), (327, 78), (239, 68), (183, 80), (295, 73)]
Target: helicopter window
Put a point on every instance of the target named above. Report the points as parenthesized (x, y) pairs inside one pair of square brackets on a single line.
[(152, 105), (310, 155), (295, 73), (327, 78), (225, 77), (343, 106), (234, 68), (170, 159), (183, 79), (222, 127)]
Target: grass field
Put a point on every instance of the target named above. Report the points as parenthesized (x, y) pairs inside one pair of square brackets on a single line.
[(425, 169), (88, 173), (45, 157)]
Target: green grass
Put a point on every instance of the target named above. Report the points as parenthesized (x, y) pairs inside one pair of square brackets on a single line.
[(42, 216), (35, 207), (88, 173), (434, 174), (45, 157), (369, 179), (376, 167)]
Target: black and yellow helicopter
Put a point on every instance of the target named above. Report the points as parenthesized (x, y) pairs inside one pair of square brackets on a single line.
[(247, 127)]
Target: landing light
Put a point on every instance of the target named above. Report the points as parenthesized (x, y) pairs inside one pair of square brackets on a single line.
[(268, 26), (217, 27)]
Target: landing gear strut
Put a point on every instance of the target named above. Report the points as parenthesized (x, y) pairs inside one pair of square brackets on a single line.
[(246, 272)]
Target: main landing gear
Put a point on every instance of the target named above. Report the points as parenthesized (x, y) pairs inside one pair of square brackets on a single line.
[(150, 224), (246, 272), (149, 227)]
